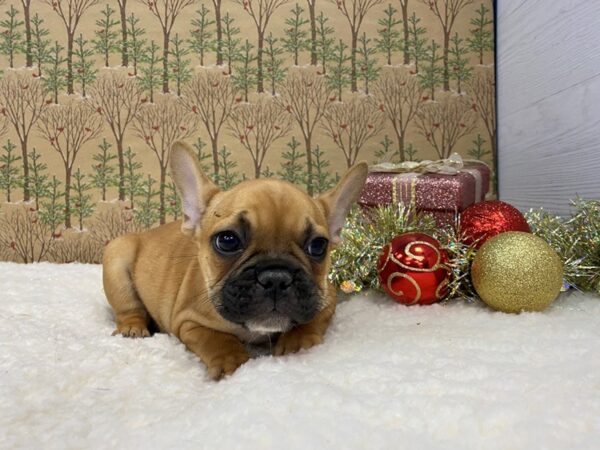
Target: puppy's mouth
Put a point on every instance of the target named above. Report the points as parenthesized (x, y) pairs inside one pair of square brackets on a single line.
[(270, 323)]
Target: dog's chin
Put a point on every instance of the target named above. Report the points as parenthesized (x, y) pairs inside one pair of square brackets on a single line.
[(270, 323)]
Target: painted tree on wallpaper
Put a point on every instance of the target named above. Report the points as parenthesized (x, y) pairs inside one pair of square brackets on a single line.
[(256, 126), (482, 37), (405, 28), (417, 43), (389, 40), (85, 73), (39, 180), (274, 63), (229, 48), (159, 125), (117, 99), (106, 34), (291, 166), (28, 49), (261, 12), (150, 73), (133, 178), (355, 12), (11, 39), (400, 96), (369, 70), (136, 43), (296, 39), (23, 101), (179, 65), (55, 79), (219, 29), (292, 89), (324, 42), (313, 30), (40, 43), (445, 122), (210, 97), (103, 170), (166, 12), (70, 13), (483, 91), (52, 212), (67, 128), (201, 41), (352, 123), (478, 151), (24, 237), (245, 74), (83, 206), (122, 4), (459, 62), (431, 74), (447, 11), (9, 171), (305, 95), (339, 73)]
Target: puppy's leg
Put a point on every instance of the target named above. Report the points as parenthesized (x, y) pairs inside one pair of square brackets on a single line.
[(306, 335), (222, 353), (130, 314)]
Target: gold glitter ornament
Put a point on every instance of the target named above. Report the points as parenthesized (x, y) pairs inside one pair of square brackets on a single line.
[(516, 271)]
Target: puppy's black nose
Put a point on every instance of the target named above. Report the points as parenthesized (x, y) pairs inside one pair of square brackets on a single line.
[(279, 279)]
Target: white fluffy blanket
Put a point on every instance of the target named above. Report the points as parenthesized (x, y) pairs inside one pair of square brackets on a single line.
[(388, 376)]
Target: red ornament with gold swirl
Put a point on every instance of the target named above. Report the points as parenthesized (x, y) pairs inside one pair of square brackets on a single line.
[(413, 269)]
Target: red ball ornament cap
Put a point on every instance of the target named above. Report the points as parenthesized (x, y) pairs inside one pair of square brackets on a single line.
[(413, 269), (484, 220)]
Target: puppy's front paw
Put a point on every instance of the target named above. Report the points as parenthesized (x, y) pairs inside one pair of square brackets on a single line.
[(296, 339), (132, 328), (227, 362)]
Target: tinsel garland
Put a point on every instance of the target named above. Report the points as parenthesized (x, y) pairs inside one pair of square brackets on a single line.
[(354, 262), (576, 239)]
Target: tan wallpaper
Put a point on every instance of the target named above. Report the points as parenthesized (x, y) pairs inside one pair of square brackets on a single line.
[(297, 90)]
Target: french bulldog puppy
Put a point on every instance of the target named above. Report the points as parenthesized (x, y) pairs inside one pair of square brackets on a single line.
[(244, 265)]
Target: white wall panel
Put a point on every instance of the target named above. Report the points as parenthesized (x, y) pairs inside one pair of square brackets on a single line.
[(548, 86)]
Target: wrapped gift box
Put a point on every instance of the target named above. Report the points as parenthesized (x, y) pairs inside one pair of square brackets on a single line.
[(441, 188)]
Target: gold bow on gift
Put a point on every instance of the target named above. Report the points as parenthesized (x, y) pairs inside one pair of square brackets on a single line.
[(449, 166)]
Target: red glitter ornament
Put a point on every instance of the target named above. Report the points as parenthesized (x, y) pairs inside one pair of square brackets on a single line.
[(412, 269), (482, 221)]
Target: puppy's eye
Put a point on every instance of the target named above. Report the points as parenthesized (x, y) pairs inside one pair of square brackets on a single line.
[(317, 247), (227, 242)]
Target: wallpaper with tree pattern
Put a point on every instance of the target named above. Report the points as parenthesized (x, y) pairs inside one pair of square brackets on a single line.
[(94, 92)]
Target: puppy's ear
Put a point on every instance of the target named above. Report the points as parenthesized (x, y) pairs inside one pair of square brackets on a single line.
[(194, 187), (337, 201)]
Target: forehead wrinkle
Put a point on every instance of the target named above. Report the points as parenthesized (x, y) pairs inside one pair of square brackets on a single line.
[(315, 229), (309, 229), (223, 218)]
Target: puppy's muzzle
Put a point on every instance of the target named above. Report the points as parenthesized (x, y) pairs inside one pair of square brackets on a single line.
[(270, 295)]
